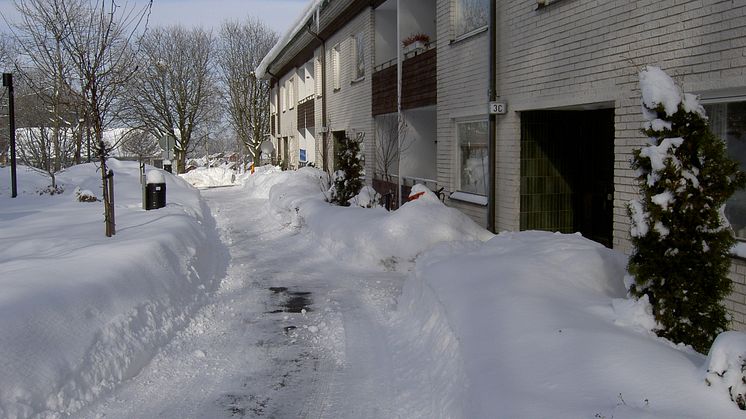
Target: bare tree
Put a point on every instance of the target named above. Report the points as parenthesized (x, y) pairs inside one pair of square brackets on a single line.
[(243, 46), (391, 142), (46, 70), (141, 144), (175, 91)]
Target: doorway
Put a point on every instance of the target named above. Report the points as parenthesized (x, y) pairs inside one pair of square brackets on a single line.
[(567, 172)]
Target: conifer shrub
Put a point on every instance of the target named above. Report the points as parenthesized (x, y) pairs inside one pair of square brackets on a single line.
[(347, 179), (681, 238)]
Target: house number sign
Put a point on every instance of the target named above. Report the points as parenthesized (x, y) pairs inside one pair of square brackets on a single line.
[(498, 108)]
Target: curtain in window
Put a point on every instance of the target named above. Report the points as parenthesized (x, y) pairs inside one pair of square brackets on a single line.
[(470, 15), (728, 121), (472, 139)]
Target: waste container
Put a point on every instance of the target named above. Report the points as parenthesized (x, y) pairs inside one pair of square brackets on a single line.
[(155, 190)]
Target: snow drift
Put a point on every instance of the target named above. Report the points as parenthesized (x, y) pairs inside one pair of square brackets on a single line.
[(518, 325), (79, 312)]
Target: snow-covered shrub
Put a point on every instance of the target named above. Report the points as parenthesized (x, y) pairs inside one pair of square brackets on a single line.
[(348, 177), (681, 238), (725, 365), (367, 198), (51, 190), (85, 195)]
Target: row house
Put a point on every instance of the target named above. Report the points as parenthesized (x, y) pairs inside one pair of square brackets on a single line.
[(564, 78)]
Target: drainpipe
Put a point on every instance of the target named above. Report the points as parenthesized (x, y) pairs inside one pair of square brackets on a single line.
[(492, 142), (277, 107), (399, 117), (324, 135)]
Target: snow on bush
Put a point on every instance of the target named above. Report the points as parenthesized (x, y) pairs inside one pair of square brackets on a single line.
[(297, 199), (84, 195), (367, 198), (726, 366)]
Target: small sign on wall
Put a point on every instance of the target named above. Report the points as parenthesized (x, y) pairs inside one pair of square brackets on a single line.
[(498, 108), (302, 154)]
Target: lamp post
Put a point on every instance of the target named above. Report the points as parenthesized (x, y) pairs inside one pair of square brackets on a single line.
[(8, 82)]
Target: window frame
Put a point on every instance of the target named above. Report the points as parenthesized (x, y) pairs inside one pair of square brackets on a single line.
[(728, 101), (456, 19), (291, 93), (459, 156), (357, 57), (336, 67)]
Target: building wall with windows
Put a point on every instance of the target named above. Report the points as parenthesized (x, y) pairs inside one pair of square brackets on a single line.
[(287, 94), (584, 54), (462, 77), (349, 66)]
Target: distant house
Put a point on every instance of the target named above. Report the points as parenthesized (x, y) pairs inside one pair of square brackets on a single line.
[(566, 71)]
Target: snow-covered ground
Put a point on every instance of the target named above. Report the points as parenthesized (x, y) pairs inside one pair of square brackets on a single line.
[(321, 312)]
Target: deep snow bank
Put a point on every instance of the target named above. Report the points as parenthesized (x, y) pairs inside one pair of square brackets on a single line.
[(359, 234), (210, 177), (537, 325), (79, 312)]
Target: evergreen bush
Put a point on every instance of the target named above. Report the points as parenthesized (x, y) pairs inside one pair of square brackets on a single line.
[(347, 179), (681, 238)]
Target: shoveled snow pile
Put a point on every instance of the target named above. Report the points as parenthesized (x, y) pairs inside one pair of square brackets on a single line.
[(726, 366), (204, 177), (362, 234), (79, 312), (537, 325), (518, 325)]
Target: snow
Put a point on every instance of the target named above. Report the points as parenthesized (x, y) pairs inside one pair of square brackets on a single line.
[(658, 88), (155, 176), (295, 28), (725, 366), (210, 177), (81, 313), (415, 313)]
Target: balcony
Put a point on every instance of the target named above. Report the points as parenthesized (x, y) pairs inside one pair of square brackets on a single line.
[(419, 81)]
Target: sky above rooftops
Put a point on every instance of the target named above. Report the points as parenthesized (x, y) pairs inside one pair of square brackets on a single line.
[(278, 14)]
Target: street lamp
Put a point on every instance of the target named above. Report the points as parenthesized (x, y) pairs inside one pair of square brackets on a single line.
[(8, 82)]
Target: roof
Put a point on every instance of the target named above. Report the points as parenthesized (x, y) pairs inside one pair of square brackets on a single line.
[(323, 17), (284, 41)]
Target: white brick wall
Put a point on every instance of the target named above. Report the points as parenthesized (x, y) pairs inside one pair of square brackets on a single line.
[(462, 94), (579, 52), (349, 108)]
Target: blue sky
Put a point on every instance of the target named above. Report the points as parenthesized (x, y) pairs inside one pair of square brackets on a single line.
[(278, 14)]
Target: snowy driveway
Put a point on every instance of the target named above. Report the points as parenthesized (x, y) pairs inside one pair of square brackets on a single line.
[(290, 333)]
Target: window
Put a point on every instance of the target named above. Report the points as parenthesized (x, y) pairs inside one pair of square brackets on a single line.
[(283, 98), (470, 15), (358, 56), (318, 77), (472, 141), (291, 94), (728, 121), (335, 67)]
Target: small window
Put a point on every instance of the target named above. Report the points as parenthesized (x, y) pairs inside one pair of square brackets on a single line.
[(291, 94), (283, 99), (728, 121), (358, 56), (336, 65), (470, 15), (472, 141), (318, 77)]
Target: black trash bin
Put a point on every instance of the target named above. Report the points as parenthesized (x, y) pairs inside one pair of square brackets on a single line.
[(155, 190)]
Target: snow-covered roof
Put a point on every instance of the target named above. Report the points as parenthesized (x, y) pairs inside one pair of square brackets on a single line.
[(284, 40)]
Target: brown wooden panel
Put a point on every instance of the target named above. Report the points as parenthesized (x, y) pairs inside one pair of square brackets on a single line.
[(384, 91), (419, 80)]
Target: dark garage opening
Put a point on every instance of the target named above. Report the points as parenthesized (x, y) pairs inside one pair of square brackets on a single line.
[(567, 172)]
